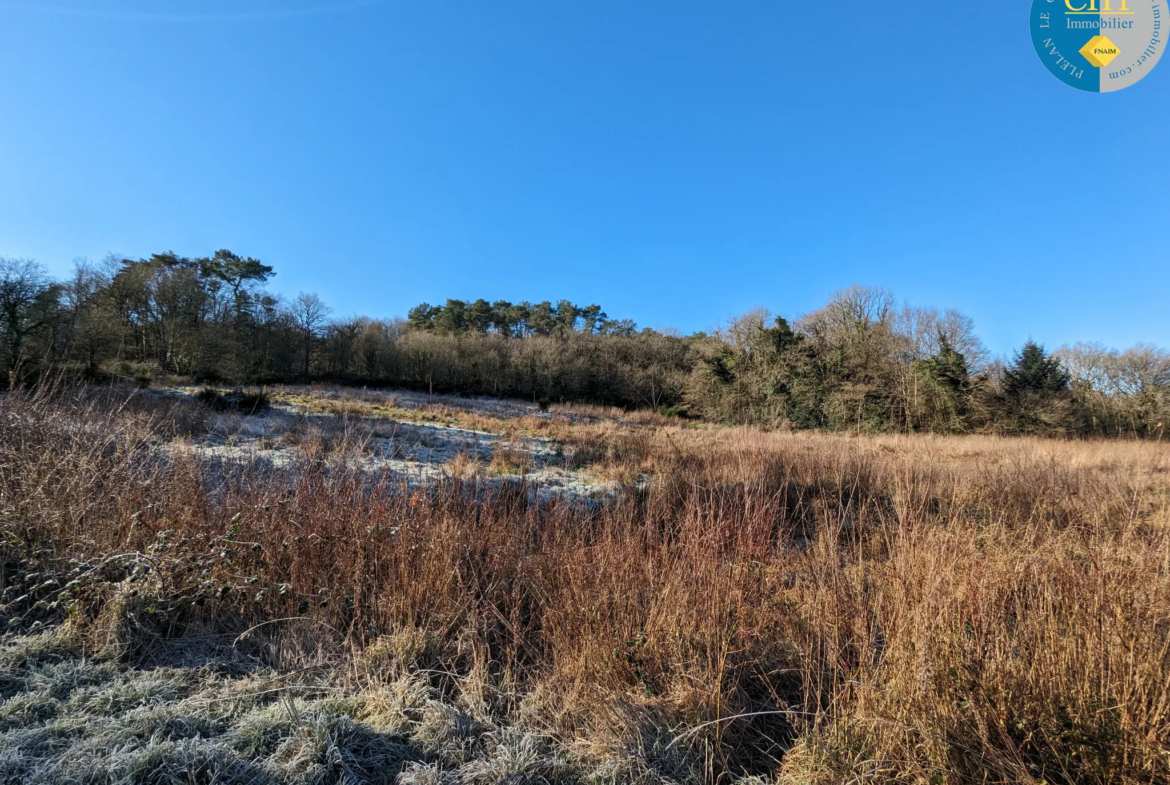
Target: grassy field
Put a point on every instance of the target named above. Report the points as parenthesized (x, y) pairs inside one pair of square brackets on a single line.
[(703, 605)]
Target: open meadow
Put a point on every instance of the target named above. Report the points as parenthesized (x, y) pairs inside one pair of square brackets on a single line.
[(329, 585)]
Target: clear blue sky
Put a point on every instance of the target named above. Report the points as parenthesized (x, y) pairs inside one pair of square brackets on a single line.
[(677, 162)]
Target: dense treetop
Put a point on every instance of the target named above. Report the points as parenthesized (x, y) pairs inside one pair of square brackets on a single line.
[(522, 320)]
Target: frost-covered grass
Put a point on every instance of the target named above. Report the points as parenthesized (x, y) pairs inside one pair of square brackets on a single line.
[(404, 437), (68, 718)]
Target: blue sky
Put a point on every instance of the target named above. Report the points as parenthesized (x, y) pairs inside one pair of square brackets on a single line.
[(677, 162)]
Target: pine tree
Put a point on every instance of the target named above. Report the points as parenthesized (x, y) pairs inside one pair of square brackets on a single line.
[(1034, 371), (1037, 395)]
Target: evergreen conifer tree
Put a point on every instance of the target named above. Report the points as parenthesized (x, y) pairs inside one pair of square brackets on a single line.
[(1034, 371), (949, 383)]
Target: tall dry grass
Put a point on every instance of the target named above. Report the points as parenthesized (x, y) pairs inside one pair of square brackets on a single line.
[(807, 607)]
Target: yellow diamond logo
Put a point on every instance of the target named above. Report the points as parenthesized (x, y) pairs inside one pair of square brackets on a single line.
[(1100, 51)]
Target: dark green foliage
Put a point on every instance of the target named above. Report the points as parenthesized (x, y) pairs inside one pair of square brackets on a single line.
[(422, 316), (782, 336), (1037, 397), (1034, 371), (719, 368), (515, 321), (234, 271), (948, 399)]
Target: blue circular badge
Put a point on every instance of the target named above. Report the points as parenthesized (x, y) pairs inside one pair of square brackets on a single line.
[(1099, 45)]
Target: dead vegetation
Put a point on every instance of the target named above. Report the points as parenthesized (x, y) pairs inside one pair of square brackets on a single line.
[(766, 606)]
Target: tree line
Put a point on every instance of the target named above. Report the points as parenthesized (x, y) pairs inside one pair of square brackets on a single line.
[(523, 320), (859, 363)]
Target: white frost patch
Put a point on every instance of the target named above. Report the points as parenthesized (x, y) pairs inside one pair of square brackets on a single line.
[(417, 453)]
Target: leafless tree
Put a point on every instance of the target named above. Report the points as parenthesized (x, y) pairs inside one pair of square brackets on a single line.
[(310, 316), (924, 328), (24, 291)]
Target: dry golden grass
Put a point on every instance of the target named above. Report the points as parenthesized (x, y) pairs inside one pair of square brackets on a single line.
[(464, 465), (427, 414), (508, 461), (809, 607)]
